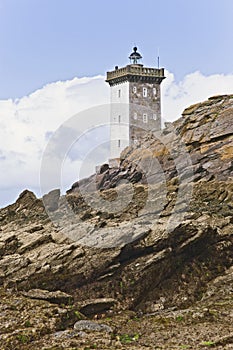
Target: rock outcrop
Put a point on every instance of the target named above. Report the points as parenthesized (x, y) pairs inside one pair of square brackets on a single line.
[(147, 245)]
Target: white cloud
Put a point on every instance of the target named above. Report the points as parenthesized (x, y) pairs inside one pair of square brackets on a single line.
[(26, 124), (192, 89)]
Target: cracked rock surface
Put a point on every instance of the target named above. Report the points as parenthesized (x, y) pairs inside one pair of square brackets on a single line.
[(141, 253)]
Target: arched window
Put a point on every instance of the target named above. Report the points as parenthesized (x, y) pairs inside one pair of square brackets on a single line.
[(145, 118)]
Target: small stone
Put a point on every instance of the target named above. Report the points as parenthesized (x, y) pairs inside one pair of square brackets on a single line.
[(85, 325)]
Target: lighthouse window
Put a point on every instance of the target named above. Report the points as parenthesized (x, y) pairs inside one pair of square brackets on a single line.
[(154, 91), (119, 118), (155, 116), (144, 118), (135, 116), (144, 92), (134, 90), (119, 143), (119, 93)]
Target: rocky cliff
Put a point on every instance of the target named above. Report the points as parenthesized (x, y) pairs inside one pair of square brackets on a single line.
[(146, 247)]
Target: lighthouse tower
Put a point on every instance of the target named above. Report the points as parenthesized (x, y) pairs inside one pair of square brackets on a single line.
[(135, 102)]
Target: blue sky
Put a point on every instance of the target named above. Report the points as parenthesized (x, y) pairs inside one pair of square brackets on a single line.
[(54, 55), (49, 40)]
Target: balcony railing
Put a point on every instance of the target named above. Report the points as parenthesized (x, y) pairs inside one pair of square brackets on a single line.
[(135, 70)]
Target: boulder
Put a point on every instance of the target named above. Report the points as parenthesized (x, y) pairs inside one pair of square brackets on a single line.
[(51, 200), (55, 297), (96, 306)]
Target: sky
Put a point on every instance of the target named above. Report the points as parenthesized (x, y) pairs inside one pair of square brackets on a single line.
[(54, 56)]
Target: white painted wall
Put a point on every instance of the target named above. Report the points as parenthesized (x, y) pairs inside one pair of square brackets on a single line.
[(119, 107)]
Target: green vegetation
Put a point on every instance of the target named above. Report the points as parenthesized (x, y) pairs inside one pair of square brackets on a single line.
[(179, 318), (94, 346), (23, 338), (27, 324), (78, 315), (207, 343), (126, 338), (135, 318)]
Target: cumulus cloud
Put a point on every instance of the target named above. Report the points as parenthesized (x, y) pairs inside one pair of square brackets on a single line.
[(194, 88), (29, 123)]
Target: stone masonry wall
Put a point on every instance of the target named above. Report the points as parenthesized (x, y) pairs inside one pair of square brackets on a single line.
[(140, 105)]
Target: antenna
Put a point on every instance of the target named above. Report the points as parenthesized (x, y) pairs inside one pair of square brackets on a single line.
[(158, 57)]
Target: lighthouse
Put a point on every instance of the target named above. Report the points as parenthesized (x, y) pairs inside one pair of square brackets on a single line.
[(135, 103)]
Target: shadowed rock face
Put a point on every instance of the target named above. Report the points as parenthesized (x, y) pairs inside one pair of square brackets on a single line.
[(153, 235)]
